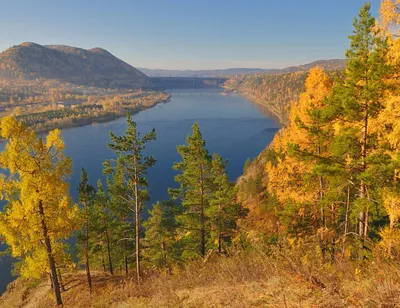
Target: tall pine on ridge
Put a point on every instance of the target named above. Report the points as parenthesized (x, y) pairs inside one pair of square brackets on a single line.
[(130, 149)]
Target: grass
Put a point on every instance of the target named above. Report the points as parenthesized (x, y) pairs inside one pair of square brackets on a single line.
[(257, 277)]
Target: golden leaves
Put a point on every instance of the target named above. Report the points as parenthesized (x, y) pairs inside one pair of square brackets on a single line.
[(37, 175)]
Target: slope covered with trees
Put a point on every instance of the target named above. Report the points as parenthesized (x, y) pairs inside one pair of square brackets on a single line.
[(314, 220), (279, 90), (332, 172)]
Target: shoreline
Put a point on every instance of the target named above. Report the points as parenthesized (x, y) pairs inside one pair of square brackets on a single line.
[(258, 101), (103, 119)]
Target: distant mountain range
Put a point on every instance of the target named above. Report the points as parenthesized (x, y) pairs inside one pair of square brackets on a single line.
[(333, 64), (97, 67), (93, 67)]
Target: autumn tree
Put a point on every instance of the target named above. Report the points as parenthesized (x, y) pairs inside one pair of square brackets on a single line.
[(130, 149), (293, 174), (39, 214)]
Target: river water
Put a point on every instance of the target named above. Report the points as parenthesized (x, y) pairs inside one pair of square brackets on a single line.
[(231, 125)]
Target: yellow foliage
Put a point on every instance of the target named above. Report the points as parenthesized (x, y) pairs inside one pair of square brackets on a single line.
[(285, 179), (38, 171)]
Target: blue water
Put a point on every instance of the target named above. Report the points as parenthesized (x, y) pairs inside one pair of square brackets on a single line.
[(231, 125)]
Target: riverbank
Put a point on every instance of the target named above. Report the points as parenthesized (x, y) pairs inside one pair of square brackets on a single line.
[(102, 110), (282, 118)]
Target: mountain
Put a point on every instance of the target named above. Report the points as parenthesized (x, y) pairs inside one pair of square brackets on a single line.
[(93, 67), (328, 65), (333, 64), (201, 73)]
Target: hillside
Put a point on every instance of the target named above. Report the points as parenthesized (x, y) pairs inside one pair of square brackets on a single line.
[(93, 67), (276, 91), (261, 277), (333, 64), (203, 73)]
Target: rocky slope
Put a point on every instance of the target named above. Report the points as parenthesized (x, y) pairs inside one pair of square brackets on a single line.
[(93, 67)]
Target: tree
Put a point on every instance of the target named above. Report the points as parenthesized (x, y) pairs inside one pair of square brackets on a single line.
[(194, 191), (224, 211), (39, 213), (293, 175), (105, 221), (161, 245), (358, 100), (120, 210), (86, 198), (130, 149)]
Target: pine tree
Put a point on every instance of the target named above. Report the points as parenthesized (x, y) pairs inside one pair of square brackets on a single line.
[(119, 203), (359, 99), (86, 199), (194, 191), (161, 245), (224, 211), (39, 213), (105, 223), (130, 149)]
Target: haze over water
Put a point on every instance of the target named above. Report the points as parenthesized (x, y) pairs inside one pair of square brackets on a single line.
[(231, 125)]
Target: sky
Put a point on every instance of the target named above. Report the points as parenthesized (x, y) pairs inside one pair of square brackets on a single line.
[(188, 34)]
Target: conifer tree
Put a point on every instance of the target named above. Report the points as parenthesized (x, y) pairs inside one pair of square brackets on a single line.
[(130, 149), (358, 100), (194, 192), (105, 222), (161, 245), (39, 213), (224, 211), (120, 198), (86, 199)]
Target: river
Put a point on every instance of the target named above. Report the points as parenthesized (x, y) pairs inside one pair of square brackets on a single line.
[(231, 125)]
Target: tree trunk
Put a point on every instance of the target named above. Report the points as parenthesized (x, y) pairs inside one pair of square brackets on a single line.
[(137, 242), (125, 248), (89, 278), (52, 263), (219, 243), (202, 217), (61, 281), (109, 253), (321, 195), (137, 220), (346, 221), (363, 227), (103, 261)]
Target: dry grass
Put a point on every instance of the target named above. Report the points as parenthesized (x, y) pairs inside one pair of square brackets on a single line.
[(285, 278)]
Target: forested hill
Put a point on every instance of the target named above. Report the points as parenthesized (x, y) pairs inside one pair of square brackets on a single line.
[(331, 64), (93, 67), (276, 91)]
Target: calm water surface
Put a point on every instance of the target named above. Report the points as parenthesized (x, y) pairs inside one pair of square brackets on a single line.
[(231, 125)]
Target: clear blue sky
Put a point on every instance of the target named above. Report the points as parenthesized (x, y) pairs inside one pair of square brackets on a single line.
[(188, 34)]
